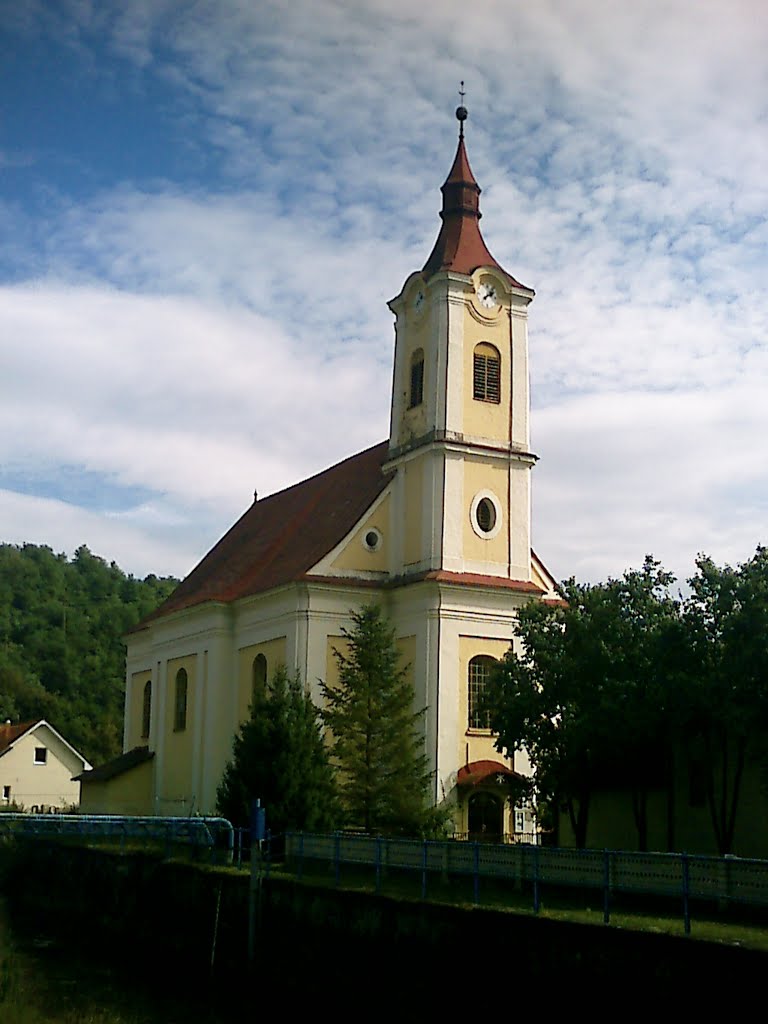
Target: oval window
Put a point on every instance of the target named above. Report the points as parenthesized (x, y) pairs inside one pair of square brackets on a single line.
[(486, 515)]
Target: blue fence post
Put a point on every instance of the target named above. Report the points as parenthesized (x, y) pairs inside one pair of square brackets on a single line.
[(606, 887), (476, 873), (300, 872), (337, 858), (424, 870), (378, 864), (536, 887), (686, 893)]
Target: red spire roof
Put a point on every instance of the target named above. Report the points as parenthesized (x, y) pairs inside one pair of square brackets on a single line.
[(460, 245)]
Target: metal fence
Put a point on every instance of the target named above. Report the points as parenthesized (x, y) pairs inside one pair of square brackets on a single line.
[(683, 878), (197, 834)]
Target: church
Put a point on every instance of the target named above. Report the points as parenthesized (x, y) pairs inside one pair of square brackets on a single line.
[(433, 524)]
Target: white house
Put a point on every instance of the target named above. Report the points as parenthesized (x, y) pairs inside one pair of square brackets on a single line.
[(37, 768)]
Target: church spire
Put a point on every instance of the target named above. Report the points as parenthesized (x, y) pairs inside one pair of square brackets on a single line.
[(460, 246)]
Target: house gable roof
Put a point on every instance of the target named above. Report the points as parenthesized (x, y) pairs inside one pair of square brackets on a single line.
[(11, 734), (281, 537)]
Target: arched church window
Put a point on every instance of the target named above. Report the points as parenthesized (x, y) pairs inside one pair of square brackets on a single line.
[(486, 373), (258, 677), (417, 378), (479, 674), (180, 701), (146, 710)]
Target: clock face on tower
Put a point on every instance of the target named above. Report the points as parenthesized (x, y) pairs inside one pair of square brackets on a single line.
[(486, 294)]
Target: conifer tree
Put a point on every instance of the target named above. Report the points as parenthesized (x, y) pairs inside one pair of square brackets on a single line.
[(377, 737), (280, 757)]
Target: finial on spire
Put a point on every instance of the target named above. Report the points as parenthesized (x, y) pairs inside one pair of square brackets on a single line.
[(461, 111)]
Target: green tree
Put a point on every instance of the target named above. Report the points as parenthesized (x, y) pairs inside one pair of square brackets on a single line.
[(377, 738), (61, 651), (279, 756), (726, 697), (589, 692)]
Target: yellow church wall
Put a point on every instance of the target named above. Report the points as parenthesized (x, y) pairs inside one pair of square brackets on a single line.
[(130, 793), (412, 545), (274, 652), (485, 476), (357, 555), (178, 745), (407, 647), (487, 419), (133, 737), (414, 421), (405, 644)]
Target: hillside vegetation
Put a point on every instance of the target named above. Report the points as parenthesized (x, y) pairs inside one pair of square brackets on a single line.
[(61, 652)]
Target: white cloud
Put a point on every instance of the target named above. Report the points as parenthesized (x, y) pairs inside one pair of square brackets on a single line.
[(199, 340)]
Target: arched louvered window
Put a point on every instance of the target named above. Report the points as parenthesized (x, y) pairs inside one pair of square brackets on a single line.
[(486, 374), (417, 378), (477, 687), (180, 702), (146, 710)]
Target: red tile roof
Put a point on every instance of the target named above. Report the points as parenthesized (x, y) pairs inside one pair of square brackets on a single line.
[(473, 579), (460, 245), (475, 772), (282, 536), (9, 733)]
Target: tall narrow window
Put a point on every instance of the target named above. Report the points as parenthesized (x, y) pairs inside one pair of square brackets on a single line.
[(477, 688), (146, 710), (259, 677), (486, 378), (417, 378), (180, 703)]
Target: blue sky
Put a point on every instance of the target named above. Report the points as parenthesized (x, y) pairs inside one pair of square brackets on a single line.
[(206, 205)]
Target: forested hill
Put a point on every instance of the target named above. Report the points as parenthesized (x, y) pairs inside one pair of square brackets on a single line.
[(61, 653)]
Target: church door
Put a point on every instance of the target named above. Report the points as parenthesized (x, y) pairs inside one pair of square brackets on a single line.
[(486, 818)]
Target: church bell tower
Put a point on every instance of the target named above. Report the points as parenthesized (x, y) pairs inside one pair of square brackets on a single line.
[(459, 435)]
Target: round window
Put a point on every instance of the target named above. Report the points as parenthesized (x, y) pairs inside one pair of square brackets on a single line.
[(372, 540)]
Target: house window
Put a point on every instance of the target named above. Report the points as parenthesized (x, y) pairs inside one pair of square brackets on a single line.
[(146, 710), (180, 703), (6, 794), (486, 375), (477, 688), (417, 378), (258, 677), (41, 755)]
